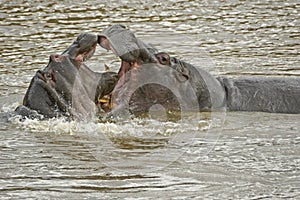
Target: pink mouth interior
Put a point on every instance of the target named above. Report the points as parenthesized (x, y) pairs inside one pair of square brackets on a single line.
[(81, 57), (125, 66)]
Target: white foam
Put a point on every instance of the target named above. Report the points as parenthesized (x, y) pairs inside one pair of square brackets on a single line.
[(135, 127), (9, 107)]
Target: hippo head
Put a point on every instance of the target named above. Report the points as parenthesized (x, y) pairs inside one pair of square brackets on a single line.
[(146, 77), (134, 53), (66, 86)]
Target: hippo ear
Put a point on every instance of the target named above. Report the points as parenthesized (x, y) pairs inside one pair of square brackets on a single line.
[(182, 74)]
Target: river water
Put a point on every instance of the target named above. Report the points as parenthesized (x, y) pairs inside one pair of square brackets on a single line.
[(236, 155)]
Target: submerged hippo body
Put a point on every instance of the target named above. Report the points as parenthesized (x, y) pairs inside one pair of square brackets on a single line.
[(281, 95), (263, 94), (66, 86)]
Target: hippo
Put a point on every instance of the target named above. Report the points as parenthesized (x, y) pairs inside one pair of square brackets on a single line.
[(148, 77), (259, 94), (256, 94), (66, 86)]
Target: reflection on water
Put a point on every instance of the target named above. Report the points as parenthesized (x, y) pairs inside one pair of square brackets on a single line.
[(253, 156)]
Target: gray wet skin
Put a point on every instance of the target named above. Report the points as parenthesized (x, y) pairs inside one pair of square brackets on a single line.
[(270, 94), (134, 53), (257, 94), (266, 94), (66, 86)]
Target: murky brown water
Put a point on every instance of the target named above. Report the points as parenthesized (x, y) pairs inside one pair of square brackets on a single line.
[(247, 156)]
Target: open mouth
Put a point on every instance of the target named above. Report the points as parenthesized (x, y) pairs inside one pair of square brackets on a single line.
[(82, 48), (81, 57), (126, 65)]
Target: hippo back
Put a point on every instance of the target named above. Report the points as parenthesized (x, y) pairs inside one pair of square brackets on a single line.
[(267, 94)]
